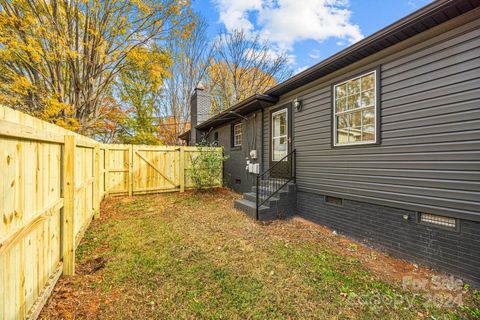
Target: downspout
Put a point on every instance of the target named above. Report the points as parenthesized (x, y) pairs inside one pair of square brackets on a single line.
[(261, 145)]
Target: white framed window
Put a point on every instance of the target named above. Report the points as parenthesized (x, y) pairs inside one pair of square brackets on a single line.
[(355, 110), (279, 135), (237, 135)]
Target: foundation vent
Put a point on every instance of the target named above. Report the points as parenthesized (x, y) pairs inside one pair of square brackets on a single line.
[(437, 220)]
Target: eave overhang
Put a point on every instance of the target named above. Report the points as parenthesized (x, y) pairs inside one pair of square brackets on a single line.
[(241, 109)]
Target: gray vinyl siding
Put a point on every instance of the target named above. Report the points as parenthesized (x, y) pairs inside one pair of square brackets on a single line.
[(234, 166), (266, 138), (428, 158)]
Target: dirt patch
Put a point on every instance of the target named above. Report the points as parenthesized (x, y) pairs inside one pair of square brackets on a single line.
[(91, 266), (71, 300)]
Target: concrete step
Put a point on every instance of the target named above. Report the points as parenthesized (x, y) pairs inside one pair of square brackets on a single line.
[(272, 202), (281, 194), (249, 207), (252, 196), (277, 206), (289, 187)]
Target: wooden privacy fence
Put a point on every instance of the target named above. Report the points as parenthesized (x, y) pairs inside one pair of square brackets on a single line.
[(139, 169), (51, 184)]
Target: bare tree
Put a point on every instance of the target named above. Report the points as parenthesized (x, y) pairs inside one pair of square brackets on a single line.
[(191, 56), (242, 66)]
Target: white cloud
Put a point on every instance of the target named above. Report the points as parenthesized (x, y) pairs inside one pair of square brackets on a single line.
[(314, 54), (234, 14), (300, 69), (285, 22)]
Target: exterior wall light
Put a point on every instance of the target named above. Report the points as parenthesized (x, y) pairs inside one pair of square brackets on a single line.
[(297, 104)]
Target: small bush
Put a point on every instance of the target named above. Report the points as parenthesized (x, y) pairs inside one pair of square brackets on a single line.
[(206, 166)]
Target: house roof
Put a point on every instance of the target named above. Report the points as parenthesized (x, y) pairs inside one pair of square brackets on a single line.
[(244, 107), (419, 21), (185, 135)]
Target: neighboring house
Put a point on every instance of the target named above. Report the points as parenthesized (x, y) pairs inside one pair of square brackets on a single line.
[(386, 135)]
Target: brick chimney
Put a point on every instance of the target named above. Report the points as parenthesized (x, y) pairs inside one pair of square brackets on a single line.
[(199, 112)]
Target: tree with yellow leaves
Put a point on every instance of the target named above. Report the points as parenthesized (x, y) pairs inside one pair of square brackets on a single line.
[(59, 58), (139, 88)]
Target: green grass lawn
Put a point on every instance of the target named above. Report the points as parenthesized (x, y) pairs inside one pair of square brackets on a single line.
[(193, 256)]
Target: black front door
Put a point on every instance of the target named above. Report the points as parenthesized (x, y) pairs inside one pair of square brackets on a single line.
[(280, 142)]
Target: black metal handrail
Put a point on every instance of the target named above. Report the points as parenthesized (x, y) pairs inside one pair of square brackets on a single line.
[(271, 181)]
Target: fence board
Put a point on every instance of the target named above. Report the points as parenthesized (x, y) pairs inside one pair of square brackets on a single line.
[(37, 186)]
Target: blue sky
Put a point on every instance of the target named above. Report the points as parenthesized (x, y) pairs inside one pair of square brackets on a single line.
[(308, 30)]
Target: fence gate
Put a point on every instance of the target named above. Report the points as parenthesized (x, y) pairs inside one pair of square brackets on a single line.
[(155, 169), (137, 169)]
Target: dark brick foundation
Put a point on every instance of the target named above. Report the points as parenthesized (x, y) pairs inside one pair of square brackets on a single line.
[(455, 252)]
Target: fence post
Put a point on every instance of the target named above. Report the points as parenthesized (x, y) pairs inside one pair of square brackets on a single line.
[(68, 223), (96, 181), (130, 170), (107, 170), (182, 169)]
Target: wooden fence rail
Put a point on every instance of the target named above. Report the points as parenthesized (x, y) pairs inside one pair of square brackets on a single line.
[(51, 184)]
